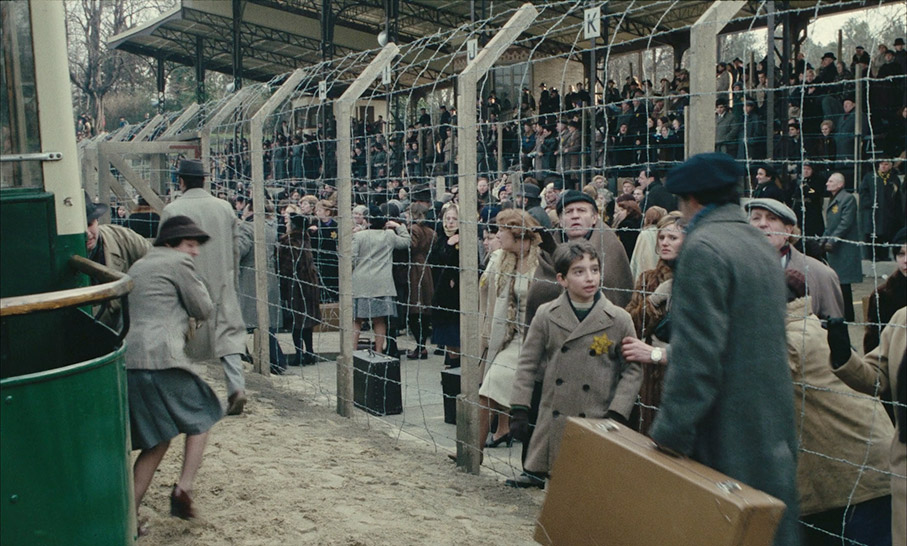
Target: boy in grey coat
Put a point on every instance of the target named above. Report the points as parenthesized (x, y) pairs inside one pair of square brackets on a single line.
[(576, 336)]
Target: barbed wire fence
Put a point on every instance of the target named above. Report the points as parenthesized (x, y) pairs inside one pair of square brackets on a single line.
[(470, 116)]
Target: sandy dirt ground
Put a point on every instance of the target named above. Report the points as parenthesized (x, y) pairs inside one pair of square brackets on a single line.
[(291, 471)]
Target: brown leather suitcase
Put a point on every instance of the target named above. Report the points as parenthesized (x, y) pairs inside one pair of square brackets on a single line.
[(610, 485)]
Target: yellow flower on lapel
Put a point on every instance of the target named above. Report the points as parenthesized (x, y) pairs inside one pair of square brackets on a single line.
[(333, 235), (834, 209), (600, 345)]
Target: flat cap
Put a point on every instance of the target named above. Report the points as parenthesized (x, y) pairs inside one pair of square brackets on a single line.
[(574, 196), (779, 209), (703, 172)]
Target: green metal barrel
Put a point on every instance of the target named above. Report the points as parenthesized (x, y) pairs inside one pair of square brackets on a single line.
[(65, 476)]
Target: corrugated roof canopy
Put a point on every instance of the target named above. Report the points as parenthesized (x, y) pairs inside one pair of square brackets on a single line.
[(278, 36)]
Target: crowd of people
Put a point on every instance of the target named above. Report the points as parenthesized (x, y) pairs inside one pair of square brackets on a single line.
[(625, 298), (550, 256), (619, 130)]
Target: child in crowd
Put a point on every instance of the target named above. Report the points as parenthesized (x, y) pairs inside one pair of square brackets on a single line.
[(572, 343)]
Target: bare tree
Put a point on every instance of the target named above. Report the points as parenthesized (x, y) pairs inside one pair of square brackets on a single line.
[(94, 70)]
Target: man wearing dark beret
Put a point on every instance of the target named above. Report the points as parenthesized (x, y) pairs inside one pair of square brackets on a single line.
[(728, 346)]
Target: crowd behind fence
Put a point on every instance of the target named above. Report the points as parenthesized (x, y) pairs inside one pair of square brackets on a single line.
[(613, 142)]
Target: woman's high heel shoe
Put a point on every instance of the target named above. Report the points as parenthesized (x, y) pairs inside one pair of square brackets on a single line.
[(416, 354), (505, 438)]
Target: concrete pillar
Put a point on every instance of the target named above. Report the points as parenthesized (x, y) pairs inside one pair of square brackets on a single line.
[(344, 110), (260, 357), (703, 58), (469, 445)]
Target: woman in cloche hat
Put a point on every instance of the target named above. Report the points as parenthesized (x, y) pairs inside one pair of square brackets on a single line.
[(166, 396)]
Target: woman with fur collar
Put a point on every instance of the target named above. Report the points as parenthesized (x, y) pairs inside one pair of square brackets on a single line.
[(504, 287)]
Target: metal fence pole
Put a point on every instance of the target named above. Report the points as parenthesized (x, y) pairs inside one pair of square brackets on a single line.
[(469, 445), (344, 108)]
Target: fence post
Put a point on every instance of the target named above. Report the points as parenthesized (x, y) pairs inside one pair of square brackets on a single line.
[(344, 108), (260, 358), (204, 135), (469, 445), (703, 58)]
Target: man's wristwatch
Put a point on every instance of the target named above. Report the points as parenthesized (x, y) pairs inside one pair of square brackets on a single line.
[(657, 355)]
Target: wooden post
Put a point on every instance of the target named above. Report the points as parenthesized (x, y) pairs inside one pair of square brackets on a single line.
[(136, 181), (858, 124), (770, 81), (500, 150), (149, 128), (182, 120), (214, 121), (343, 111), (260, 357), (840, 45), (703, 58), (469, 445)]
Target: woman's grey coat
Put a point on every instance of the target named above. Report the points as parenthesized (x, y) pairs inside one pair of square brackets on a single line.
[(167, 292), (373, 261)]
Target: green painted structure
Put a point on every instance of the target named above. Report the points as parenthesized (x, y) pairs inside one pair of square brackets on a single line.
[(65, 475)]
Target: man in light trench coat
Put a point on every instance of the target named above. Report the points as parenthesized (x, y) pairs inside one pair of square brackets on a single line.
[(224, 335)]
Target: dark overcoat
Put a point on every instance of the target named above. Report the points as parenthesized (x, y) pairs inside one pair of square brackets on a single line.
[(445, 261), (298, 280), (421, 282), (842, 233), (728, 395)]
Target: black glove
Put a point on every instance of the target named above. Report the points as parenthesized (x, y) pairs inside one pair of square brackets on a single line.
[(614, 416), (838, 342), (519, 424)]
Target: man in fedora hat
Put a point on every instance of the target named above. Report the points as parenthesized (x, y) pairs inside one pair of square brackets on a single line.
[(529, 198), (222, 336), (728, 343), (117, 247)]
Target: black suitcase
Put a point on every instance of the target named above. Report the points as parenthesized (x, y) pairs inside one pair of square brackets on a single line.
[(450, 386), (376, 383)]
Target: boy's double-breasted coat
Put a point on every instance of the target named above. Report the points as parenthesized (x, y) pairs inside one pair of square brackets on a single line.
[(577, 382)]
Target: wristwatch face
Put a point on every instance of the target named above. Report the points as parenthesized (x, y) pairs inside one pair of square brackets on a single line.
[(656, 355)]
